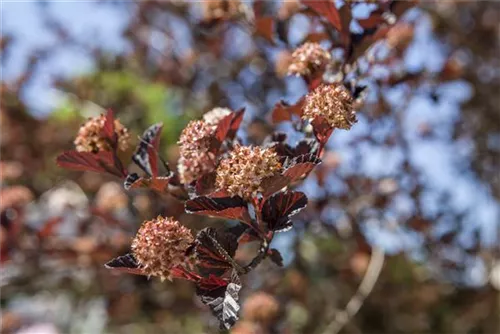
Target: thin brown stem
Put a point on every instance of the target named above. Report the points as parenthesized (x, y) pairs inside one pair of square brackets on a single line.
[(264, 247)]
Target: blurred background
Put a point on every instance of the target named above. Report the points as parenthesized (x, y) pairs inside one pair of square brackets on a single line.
[(418, 176)]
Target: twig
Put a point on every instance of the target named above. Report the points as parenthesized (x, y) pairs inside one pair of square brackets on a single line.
[(258, 259), (365, 288)]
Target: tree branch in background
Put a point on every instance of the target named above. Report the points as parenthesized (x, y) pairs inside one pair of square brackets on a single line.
[(365, 288)]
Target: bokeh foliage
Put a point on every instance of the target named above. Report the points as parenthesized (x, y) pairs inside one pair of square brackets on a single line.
[(55, 237)]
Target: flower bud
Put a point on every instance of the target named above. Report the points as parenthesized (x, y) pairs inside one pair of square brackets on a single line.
[(161, 244), (308, 59), (89, 137), (195, 158), (243, 171), (334, 103)]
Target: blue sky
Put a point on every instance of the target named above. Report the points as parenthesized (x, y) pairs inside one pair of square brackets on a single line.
[(87, 21)]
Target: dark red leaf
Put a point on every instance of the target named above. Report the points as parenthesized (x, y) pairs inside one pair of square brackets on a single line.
[(159, 184), (205, 184), (101, 162), (108, 130), (306, 146), (235, 124), (358, 90), (222, 207), (264, 27), (214, 251), (296, 169), (221, 133), (211, 283), (130, 180), (283, 111), (327, 9), (315, 81), (222, 298), (226, 129), (153, 160), (126, 264), (181, 273), (238, 230), (276, 257), (146, 157), (146, 153), (277, 210), (284, 151), (322, 130), (278, 141), (274, 184), (301, 166), (219, 194), (277, 137)]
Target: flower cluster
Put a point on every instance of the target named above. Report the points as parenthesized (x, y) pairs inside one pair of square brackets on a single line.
[(89, 137), (194, 145), (332, 102), (161, 244), (249, 183), (195, 158), (309, 59), (243, 171)]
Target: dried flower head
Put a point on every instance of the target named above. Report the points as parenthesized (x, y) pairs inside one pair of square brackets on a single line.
[(243, 171), (334, 103), (309, 59), (89, 137), (262, 308), (195, 158), (160, 244), (214, 116)]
